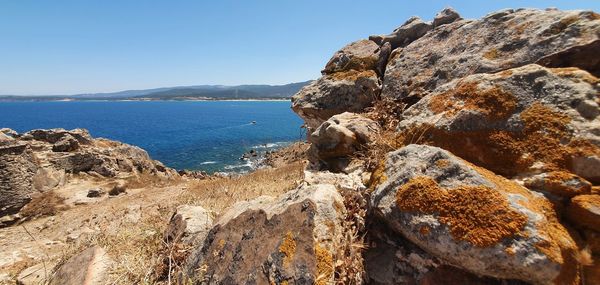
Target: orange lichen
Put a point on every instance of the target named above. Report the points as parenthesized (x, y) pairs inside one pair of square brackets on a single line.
[(324, 265), (288, 247), (352, 75), (493, 103), (545, 137), (424, 230), (479, 215), (561, 183)]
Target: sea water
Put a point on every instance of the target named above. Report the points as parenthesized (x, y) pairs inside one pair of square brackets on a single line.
[(195, 135)]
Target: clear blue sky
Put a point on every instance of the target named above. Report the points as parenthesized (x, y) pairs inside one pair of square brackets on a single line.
[(79, 46)]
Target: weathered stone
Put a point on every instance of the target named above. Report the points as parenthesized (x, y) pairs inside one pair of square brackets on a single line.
[(9, 132), (519, 121), (446, 16), (584, 211), (34, 275), (18, 168), (339, 137), (410, 31), (502, 40), (559, 183), (54, 135), (189, 224), (361, 55), (66, 143), (349, 91), (472, 218), (89, 267), (94, 193), (273, 241)]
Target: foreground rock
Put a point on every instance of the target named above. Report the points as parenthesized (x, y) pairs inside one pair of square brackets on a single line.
[(189, 224), (340, 136), (89, 267), (273, 241), (501, 40), (472, 218), (18, 168), (584, 211), (500, 122)]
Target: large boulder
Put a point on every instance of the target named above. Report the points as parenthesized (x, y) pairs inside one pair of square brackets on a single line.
[(410, 31), (345, 91), (339, 137), (521, 121), (473, 219), (360, 56), (499, 41), (90, 267), (18, 168), (273, 241), (446, 16)]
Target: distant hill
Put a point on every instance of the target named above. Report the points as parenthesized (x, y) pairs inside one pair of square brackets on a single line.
[(208, 92)]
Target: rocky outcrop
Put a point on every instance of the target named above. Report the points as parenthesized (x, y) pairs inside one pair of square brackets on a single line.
[(446, 16), (18, 168), (501, 40), (37, 161), (472, 218), (90, 267), (519, 121), (411, 30), (273, 241), (336, 93), (360, 56), (337, 138)]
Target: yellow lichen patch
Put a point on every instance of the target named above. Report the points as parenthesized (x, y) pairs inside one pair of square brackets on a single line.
[(424, 230), (479, 215), (288, 247), (494, 103), (378, 176), (491, 54), (324, 265), (575, 73), (442, 163), (352, 75)]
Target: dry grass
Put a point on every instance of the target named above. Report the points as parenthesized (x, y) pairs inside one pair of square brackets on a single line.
[(45, 204), (219, 194), (349, 246)]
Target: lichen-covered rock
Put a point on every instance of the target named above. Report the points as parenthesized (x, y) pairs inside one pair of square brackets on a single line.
[(9, 132), (472, 218), (411, 30), (499, 41), (521, 121), (560, 183), (360, 56), (18, 168), (584, 211), (273, 241), (445, 16), (90, 267), (345, 91), (339, 137)]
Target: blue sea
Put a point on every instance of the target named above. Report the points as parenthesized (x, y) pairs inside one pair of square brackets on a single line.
[(196, 135)]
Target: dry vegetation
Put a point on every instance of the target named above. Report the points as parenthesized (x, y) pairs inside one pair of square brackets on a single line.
[(141, 255)]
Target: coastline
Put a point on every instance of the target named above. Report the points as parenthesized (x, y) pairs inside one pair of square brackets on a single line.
[(151, 100)]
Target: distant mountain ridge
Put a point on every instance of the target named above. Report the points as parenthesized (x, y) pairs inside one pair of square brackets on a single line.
[(198, 92)]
